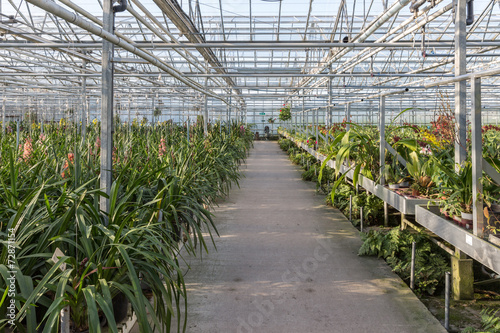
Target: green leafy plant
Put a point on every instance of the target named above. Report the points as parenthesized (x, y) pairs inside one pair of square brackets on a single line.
[(490, 322), (421, 169), (163, 185), (359, 146), (459, 188), (286, 144), (285, 113), (393, 174), (395, 245)]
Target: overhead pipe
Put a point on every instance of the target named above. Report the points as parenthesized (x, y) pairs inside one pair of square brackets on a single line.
[(252, 45), (70, 17), (489, 72), (415, 5), (367, 32), (187, 54), (394, 92), (94, 19), (360, 57)]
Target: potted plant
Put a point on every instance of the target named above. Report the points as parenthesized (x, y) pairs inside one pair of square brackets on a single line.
[(311, 141), (421, 171), (459, 186), (392, 176)]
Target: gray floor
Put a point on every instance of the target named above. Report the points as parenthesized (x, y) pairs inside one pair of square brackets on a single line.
[(287, 263)]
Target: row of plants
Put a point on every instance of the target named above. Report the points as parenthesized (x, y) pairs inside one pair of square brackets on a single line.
[(394, 244), (430, 168), (372, 205), (165, 180)]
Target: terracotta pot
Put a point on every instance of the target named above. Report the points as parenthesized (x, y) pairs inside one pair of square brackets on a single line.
[(415, 192)]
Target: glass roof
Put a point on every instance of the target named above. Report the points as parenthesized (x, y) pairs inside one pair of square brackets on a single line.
[(254, 55)]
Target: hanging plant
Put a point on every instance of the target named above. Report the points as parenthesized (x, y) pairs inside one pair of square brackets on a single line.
[(271, 120), (285, 113)]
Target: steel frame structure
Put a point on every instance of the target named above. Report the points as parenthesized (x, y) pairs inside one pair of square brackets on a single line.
[(165, 50)]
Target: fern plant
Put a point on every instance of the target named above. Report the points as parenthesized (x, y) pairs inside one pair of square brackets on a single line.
[(395, 247)]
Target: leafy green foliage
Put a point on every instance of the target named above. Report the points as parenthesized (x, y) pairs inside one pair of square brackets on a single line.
[(286, 144), (163, 185), (343, 191), (490, 322), (395, 247), (373, 207), (285, 113)]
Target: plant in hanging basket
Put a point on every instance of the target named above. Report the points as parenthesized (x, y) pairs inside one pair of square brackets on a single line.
[(271, 120), (285, 113)]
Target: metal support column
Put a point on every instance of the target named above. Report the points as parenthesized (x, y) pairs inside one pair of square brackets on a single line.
[(107, 108), (304, 117), (4, 100), (230, 109), (205, 110), (85, 110), (381, 126), (316, 124), (460, 87), (293, 121), (228, 113), (129, 107), (329, 110), (477, 158)]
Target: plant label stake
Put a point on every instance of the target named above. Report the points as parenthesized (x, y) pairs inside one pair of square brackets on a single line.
[(447, 301), (412, 268)]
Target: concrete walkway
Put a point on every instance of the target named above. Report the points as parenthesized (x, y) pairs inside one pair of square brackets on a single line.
[(285, 262)]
